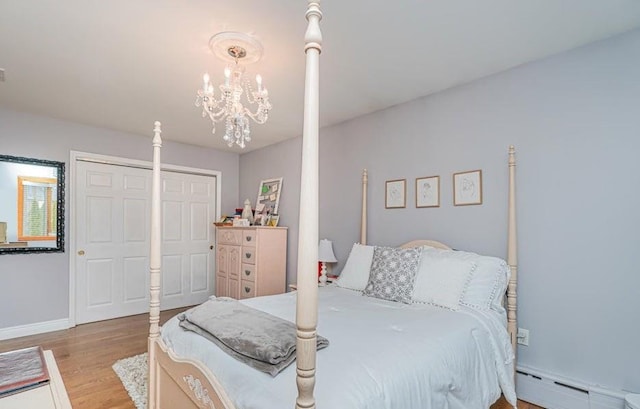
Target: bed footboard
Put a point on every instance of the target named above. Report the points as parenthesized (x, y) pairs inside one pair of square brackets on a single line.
[(185, 384)]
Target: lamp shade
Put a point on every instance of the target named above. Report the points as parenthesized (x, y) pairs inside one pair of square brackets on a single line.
[(325, 252)]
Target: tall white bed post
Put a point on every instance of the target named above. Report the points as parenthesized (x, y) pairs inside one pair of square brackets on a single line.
[(155, 261), (363, 223), (512, 254), (307, 295)]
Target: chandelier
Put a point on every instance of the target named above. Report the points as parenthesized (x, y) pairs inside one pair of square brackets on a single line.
[(227, 105)]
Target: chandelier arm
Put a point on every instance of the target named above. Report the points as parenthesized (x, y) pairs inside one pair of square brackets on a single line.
[(255, 116), (215, 116)]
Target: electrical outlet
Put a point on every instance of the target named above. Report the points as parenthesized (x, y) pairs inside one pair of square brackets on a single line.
[(523, 337)]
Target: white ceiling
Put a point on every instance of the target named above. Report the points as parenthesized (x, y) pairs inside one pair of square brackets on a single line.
[(122, 64)]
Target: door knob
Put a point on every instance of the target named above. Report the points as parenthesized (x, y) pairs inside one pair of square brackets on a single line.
[(81, 252)]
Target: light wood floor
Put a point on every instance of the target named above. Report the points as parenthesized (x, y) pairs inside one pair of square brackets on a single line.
[(85, 354)]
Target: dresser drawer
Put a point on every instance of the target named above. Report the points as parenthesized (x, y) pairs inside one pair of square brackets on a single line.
[(247, 289), (229, 236), (249, 255), (248, 272), (249, 238)]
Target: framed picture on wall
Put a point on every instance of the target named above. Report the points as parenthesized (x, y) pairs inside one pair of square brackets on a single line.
[(428, 191), (467, 188), (395, 194)]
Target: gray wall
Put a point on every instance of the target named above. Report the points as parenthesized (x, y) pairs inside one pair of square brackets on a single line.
[(574, 119), (35, 287), (274, 161)]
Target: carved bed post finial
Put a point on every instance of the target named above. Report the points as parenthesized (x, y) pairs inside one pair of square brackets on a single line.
[(154, 264), (307, 295), (512, 254), (313, 35), (157, 130)]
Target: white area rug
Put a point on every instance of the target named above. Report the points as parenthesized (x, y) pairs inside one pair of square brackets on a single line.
[(133, 375)]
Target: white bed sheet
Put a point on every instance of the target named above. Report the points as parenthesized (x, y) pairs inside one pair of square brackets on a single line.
[(382, 355)]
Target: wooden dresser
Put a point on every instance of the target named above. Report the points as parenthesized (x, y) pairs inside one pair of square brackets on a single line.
[(251, 261)]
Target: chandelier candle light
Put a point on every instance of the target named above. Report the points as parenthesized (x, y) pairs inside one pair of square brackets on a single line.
[(234, 48)]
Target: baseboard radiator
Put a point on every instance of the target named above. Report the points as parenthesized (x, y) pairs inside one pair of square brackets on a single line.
[(555, 392)]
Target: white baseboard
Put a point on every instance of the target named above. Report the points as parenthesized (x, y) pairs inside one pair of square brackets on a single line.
[(33, 329), (556, 392)]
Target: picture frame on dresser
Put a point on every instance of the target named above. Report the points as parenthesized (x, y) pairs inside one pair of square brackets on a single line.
[(467, 188), (269, 196), (428, 191), (395, 194)]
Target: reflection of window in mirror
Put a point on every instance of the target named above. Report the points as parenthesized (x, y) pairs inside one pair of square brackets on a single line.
[(37, 204)]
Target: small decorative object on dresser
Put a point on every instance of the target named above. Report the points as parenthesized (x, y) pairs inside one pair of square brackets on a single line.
[(247, 213), (224, 221), (273, 220), (395, 194), (467, 188), (428, 191), (251, 261), (237, 222)]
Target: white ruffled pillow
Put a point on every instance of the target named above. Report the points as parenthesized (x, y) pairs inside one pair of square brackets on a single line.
[(488, 281), (355, 274), (442, 280)]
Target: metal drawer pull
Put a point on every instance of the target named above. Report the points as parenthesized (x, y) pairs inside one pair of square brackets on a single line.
[(247, 289), (247, 272), (247, 255), (248, 238)]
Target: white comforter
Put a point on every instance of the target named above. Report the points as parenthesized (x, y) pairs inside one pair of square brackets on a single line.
[(382, 355)]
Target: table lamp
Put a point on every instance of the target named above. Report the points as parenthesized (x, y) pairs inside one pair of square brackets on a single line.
[(325, 255)]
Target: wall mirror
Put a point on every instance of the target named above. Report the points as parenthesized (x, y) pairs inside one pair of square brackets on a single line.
[(31, 205)]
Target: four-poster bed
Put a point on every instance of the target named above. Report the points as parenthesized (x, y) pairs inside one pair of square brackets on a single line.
[(210, 379)]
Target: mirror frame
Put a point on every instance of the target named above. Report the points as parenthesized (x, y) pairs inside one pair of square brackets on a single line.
[(59, 247)]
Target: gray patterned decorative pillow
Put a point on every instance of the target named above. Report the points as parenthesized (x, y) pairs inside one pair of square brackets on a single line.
[(393, 273)]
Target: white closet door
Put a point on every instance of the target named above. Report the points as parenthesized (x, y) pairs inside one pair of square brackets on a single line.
[(112, 240), (188, 212)]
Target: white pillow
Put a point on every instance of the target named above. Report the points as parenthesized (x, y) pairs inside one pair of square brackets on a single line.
[(488, 284), (488, 281), (442, 279), (355, 274)]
